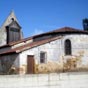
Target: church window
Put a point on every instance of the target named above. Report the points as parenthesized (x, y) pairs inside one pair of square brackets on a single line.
[(42, 57), (13, 34), (68, 47)]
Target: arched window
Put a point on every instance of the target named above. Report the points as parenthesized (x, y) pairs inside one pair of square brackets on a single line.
[(67, 47)]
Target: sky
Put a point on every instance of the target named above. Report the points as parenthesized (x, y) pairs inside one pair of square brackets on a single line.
[(38, 16)]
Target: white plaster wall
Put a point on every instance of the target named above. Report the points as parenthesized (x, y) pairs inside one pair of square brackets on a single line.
[(2, 37), (55, 49), (79, 46), (52, 49), (23, 55)]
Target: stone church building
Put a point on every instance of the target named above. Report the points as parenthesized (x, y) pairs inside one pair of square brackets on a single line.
[(60, 50)]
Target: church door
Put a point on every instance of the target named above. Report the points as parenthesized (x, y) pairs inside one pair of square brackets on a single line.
[(30, 64)]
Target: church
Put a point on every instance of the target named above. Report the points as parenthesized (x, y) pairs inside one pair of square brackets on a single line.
[(60, 50)]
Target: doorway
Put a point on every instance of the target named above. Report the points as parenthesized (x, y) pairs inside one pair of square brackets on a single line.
[(30, 64)]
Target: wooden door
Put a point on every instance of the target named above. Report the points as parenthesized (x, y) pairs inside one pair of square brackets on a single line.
[(30, 64)]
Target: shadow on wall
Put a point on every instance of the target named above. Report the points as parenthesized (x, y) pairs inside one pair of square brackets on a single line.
[(68, 64)]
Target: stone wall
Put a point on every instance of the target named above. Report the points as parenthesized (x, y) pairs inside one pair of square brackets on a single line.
[(54, 80)]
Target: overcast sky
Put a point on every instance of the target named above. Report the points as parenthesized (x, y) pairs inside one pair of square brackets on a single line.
[(37, 16)]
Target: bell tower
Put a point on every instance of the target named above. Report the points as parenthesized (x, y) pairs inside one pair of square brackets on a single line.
[(10, 30), (13, 31)]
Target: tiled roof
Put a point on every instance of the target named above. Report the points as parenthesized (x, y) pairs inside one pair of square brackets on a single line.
[(60, 30), (30, 45), (66, 29), (7, 45), (16, 42), (20, 41)]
